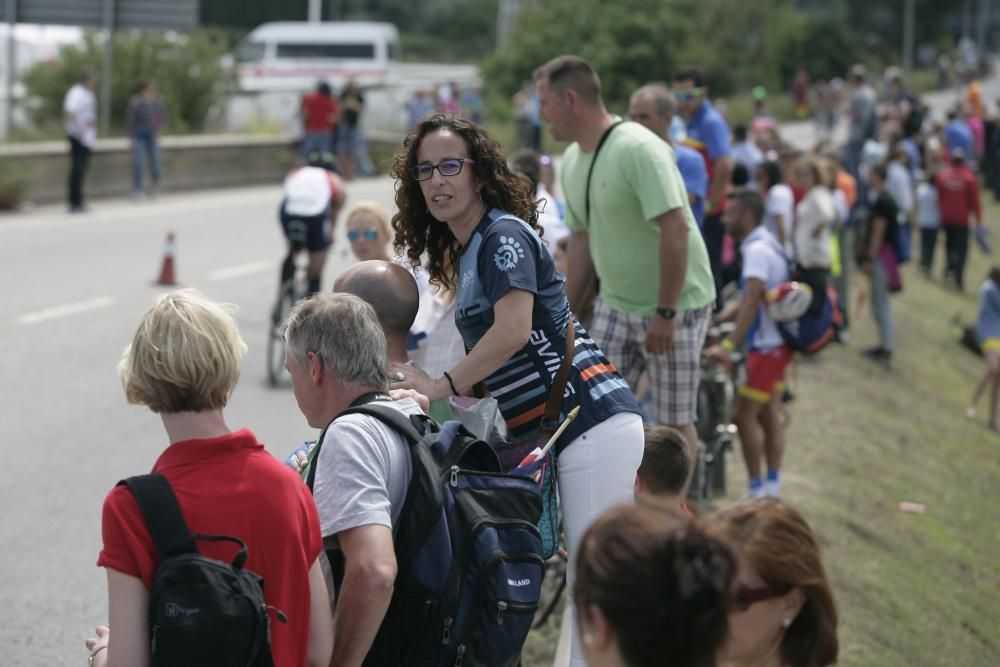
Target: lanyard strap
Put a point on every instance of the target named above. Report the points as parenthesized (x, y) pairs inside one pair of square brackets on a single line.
[(590, 173)]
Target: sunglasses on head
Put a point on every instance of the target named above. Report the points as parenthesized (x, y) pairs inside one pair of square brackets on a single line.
[(370, 234), (449, 167), (686, 95), (745, 597)]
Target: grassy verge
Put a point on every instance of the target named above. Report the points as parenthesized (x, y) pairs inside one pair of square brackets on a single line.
[(912, 589)]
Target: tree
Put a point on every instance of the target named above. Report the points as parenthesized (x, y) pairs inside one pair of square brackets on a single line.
[(631, 42), (187, 70)]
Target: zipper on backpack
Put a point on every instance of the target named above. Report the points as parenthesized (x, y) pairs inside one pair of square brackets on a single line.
[(460, 656), (501, 608), (280, 615), (446, 635), (454, 475)]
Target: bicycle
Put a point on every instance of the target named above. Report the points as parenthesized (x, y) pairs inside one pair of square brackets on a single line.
[(290, 291), (716, 395)]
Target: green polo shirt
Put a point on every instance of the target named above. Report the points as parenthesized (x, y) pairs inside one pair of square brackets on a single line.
[(635, 181)]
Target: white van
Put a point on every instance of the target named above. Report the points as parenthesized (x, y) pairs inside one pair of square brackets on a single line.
[(294, 55), (278, 62)]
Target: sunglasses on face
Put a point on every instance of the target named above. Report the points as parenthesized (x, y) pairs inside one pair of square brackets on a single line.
[(687, 95), (745, 597), (370, 234), (449, 167)]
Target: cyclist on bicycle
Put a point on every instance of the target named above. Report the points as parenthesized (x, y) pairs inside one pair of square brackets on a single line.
[(313, 196)]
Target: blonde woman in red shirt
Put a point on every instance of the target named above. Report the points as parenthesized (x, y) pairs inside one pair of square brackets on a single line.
[(183, 364)]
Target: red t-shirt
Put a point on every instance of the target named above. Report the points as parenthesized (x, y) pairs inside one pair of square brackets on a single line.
[(958, 195), (317, 110), (231, 486)]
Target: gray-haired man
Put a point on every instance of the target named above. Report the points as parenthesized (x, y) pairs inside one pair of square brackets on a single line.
[(336, 355)]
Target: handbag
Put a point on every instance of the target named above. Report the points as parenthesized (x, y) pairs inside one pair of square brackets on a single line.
[(511, 454)]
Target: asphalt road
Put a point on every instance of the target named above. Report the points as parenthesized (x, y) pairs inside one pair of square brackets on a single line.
[(76, 287)]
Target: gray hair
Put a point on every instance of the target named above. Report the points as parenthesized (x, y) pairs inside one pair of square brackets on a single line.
[(343, 331), (664, 101)]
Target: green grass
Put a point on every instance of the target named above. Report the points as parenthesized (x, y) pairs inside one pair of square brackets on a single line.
[(911, 589)]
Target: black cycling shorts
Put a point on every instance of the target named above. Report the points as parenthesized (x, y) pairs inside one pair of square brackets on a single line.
[(309, 231)]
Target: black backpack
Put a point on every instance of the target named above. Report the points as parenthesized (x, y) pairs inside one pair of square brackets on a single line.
[(467, 552), (201, 611)]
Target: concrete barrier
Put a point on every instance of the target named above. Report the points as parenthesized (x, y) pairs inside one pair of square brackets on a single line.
[(188, 163)]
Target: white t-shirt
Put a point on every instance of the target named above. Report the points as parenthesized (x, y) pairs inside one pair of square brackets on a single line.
[(553, 227), (763, 259), (928, 213), (900, 186), (439, 345), (780, 202), (816, 210), (308, 191), (363, 472), (81, 102)]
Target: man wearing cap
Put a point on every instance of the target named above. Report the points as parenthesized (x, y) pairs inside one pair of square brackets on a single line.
[(959, 204), (707, 133)]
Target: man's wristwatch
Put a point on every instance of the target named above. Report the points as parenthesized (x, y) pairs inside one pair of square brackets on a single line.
[(666, 313)]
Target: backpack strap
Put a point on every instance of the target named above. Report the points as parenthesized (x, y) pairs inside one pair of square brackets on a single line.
[(163, 515), (394, 419)]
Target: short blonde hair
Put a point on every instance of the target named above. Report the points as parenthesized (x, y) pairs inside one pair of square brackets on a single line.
[(374, 209), (184, 357)]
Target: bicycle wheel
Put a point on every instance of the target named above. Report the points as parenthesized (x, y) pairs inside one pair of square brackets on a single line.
[(276, 344)]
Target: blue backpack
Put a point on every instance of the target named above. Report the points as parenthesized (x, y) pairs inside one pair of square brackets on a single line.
[(467, 552), (811, 332)]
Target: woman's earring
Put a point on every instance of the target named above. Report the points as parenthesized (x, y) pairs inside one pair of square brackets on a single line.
[(786, 623)]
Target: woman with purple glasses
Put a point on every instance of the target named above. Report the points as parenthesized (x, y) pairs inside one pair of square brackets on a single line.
[(461, 206)]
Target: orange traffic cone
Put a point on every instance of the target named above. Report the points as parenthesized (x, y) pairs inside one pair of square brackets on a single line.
[(167, 276)]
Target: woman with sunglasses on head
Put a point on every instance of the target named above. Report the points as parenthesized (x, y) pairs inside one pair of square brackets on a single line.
[(368, 231), (651, 590), (783, 612), (460, 206)]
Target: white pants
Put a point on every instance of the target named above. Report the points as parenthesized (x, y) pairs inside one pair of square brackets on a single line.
[(596, 472)]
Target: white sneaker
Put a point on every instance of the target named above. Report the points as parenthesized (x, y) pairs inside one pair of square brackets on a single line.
[(772, 489)]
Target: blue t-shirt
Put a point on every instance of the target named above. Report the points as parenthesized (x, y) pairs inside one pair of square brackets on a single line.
[(988, 322), (708, 133), (958, 135), (695, 176), (504, 253)]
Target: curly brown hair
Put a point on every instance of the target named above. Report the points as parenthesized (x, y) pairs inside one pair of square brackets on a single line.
[(417, 231)]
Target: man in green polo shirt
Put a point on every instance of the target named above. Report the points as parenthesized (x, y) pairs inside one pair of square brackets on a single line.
[(633, 225)]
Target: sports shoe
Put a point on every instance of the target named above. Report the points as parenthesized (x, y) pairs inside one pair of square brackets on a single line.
[(878, 354)]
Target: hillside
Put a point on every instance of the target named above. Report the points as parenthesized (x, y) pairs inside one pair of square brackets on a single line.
[(912, 589)]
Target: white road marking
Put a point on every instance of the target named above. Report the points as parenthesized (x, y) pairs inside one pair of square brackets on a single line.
[(239, 270), (64, 310)]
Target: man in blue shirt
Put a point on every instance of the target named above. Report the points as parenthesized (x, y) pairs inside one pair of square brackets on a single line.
[(957, 135), (707, 133), (654, 106)]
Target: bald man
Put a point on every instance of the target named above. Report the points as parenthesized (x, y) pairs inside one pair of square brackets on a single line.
[(391, 290)]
